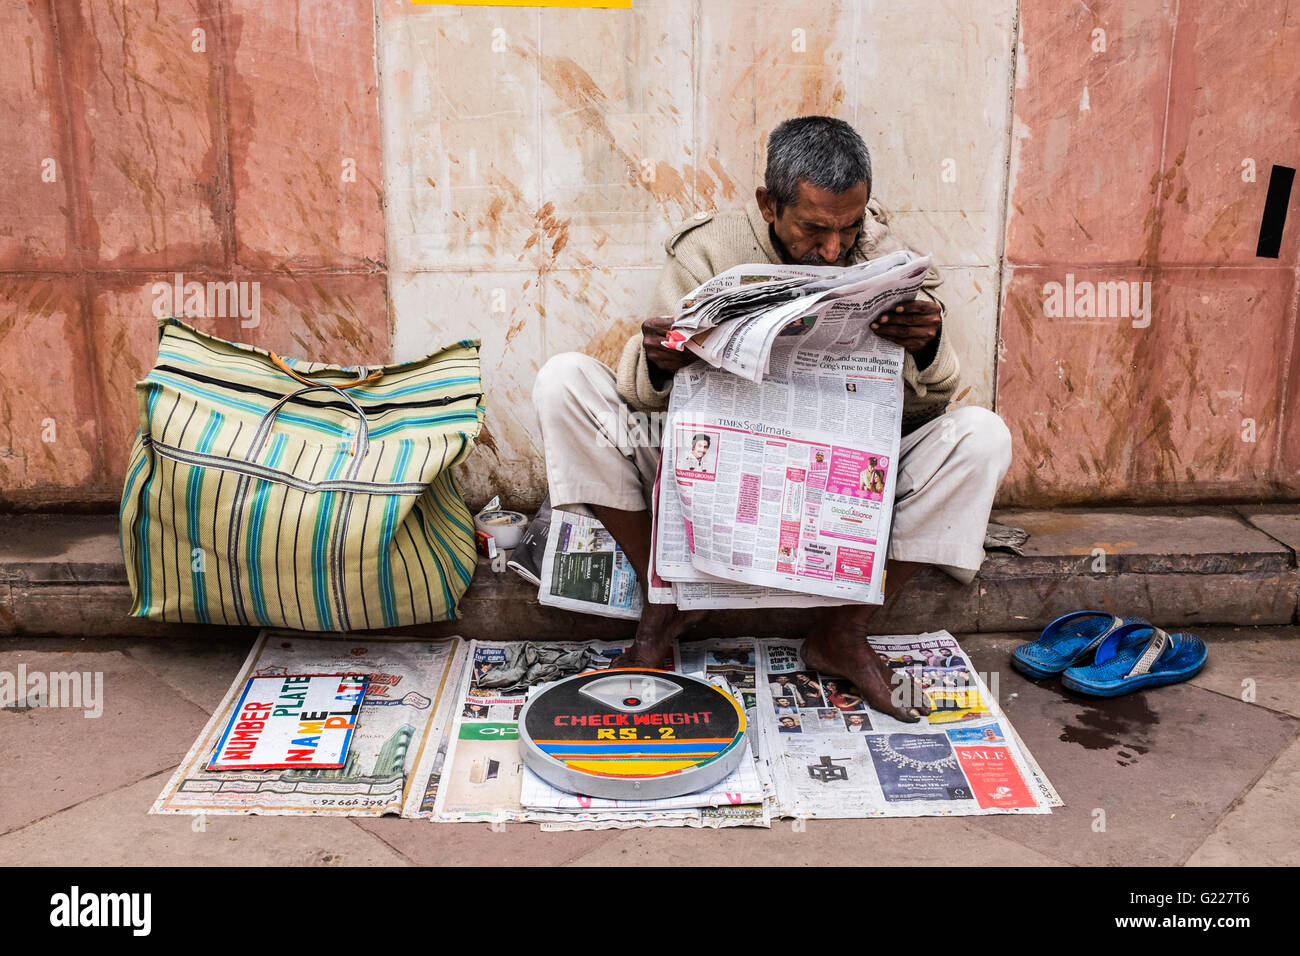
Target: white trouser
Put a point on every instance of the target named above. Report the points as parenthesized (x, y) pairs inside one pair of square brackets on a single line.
[(600, 452)]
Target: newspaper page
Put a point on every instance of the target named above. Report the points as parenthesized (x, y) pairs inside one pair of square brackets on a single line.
[(742, 786), (584, 569), (484, 778), (832, 756), (786, 484), (658, 591), (695, 590), (483, 775), (744, 290), (394, 757), (730, 666), (719, 594), (835, 318)]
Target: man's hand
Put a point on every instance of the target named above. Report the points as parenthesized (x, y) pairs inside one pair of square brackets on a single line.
[(660, 356), (913, 325)]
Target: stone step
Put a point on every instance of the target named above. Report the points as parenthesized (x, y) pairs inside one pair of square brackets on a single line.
[(1176, 566)]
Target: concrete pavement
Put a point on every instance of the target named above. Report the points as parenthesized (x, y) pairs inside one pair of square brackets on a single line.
[(1185, 775)]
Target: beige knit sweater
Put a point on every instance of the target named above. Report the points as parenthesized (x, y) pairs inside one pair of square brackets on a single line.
[(711, 243)]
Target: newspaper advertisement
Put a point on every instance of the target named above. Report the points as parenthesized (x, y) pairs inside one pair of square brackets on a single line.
[(832, 756), (584, 569), (484, 779), (787, 484), (394, 756)]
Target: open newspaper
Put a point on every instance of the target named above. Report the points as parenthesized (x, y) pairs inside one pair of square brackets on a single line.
[(783, 482), (708, 593), (734, 320), (576, 564)]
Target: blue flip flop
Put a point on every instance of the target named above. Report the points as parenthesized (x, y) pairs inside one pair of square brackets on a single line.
[(1135, 656), (1066, 641)]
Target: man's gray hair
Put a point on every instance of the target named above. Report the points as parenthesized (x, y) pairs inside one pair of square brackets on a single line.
[(824, 151)]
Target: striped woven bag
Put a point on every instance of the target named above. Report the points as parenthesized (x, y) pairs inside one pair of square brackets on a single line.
[(267, 491)]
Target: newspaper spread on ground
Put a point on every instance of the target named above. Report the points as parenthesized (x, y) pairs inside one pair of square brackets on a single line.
[(395, 753), (484, 779), (584, 569), (832, 756), (438, 738), (820, 751)]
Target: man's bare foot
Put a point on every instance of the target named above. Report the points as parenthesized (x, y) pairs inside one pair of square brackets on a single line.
[(660, 625), (852, 657)]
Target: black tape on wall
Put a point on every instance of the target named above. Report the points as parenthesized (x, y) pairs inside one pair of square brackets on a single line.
[(1275, 205)]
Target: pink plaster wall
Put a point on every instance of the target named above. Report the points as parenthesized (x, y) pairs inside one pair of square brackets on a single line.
[(537, 159), (1148, 183), (219, 155), (507, 192)]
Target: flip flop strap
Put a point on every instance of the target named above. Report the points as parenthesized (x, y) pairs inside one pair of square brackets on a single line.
[(1117, 638), (1071, 615), (1116, 622), (1154, 650)]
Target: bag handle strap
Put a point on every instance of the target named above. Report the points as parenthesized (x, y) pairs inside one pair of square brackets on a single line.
[(265, 426), (365, 375)]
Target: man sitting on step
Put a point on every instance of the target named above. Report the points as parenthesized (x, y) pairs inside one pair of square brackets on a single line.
[(814, 208)]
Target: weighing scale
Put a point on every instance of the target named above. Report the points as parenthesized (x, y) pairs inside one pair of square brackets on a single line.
[(632, 734)]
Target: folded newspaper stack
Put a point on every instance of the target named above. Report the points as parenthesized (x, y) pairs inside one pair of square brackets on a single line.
[(576, 564), (776, 480), (584, 569)]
